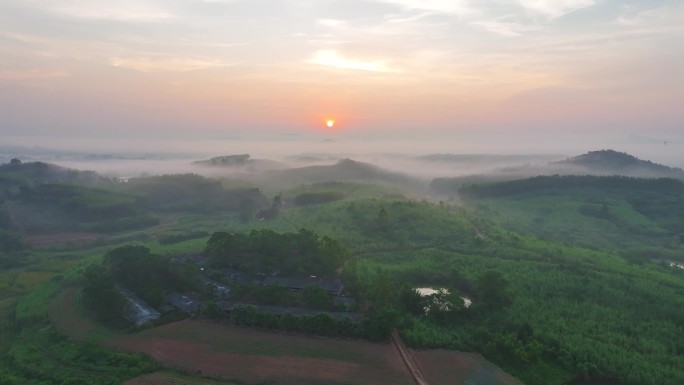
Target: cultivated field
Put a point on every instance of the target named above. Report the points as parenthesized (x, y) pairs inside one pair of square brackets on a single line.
[(444, 367), (255, 356), (66, 314), (228, 352), (168, 378)]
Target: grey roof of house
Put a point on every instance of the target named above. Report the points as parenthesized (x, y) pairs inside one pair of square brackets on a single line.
[(183, 302), (280, 310), (221, 288), (233, 274), (139, 312), (301, 283)]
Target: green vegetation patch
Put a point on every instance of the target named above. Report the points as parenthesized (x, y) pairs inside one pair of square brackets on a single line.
[(42, 356)]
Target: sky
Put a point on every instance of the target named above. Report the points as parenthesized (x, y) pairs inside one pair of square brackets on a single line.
[(139, 72)]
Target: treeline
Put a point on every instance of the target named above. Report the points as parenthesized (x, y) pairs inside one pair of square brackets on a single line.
[(194, 193), (564, 182), (17, 173), (320, 324), (72, 207), (265, 251), (84, 202)]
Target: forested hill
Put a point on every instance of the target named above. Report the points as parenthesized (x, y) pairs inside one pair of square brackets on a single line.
[(345, 170), (623, 184), (619, 163), (238, 162), (18, 173)]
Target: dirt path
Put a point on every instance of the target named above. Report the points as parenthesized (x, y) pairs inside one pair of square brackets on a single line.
[(408, 359)]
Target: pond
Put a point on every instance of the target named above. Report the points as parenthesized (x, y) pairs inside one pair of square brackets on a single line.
[(426, 291)]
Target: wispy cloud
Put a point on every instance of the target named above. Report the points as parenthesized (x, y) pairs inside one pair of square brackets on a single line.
[(332, 58), (653, 16), (144, 64), (456, 7), (123, 11), (31, 74), (330, 22), (504, 28), (556, 8)]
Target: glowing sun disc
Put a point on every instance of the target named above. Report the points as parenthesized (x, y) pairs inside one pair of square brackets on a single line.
[(330, 123)]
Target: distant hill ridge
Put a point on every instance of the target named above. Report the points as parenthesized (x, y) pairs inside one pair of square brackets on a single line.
[(597, 163), (239, 161), (616, 161), (226, 160), (18, 173), (566, 182), (345, 170)]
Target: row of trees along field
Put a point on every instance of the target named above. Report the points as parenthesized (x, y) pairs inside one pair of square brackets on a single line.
[(319, 324)]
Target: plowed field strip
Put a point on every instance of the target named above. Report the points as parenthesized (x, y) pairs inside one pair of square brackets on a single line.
[(291, 360)]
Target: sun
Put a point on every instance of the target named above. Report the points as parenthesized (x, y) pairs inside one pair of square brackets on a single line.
[(330, 123)]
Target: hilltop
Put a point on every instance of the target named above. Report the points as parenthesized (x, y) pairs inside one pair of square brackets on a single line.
[(599, 163), (242, 162), (345, 170), (619, 163), (18, 173)]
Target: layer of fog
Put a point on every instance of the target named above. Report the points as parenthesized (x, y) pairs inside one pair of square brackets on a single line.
[(487, 153)]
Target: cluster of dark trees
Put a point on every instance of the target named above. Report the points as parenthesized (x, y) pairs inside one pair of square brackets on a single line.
[(84, 208), (394, 303), (193, 193), (25, 174), (135, 268), (312, 198), (264, 251)]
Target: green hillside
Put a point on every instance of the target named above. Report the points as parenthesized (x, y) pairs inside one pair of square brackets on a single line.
[(568, 276), (641, 217)]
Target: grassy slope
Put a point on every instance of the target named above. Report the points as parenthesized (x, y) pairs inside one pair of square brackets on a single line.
[(602, 220)]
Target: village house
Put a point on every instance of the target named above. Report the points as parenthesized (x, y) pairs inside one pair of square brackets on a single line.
[(183, 303), (334, 287), (139, 312)]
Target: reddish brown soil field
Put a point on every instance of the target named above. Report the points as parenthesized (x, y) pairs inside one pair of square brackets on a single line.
[(255, 356), (259, 356), (165, 378), (444, 367), (65, 314)]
